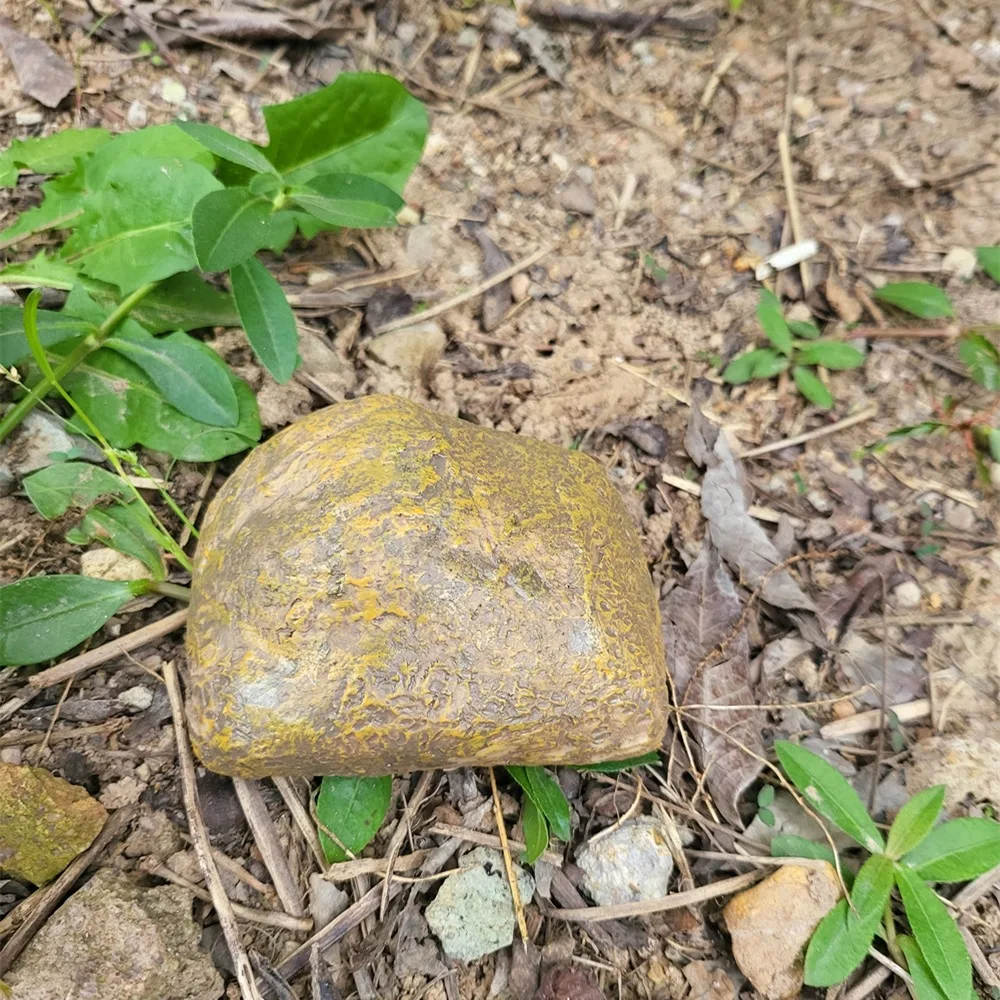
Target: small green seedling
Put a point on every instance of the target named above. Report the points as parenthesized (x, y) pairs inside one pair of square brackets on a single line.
[(916, 854), (796, 345), (764, 799), (977, 350)]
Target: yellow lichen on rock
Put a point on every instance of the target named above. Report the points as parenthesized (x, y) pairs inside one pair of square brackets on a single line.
[(380, 588)]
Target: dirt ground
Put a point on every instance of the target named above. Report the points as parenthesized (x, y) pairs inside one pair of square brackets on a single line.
[(653, 205)]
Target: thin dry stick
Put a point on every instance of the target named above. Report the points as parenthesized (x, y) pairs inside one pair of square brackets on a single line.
[(712, 86), (978, 888), (301, 817), (399, 834), (268, 918), (43, 746), (95, 657), (344, 871), (869, 984), (266, 838), (883, 697), (474, 292), (201, 842), (675, 901), (515, 891), (868, 722), (488, 840), (906, 332), (839, 425), (48, 899), (240, 872), (793, 204), (192, 518), (686, 486), (979, 960)]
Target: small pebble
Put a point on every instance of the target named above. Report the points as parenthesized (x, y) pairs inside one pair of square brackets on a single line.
[(959, 516), (907, 595), (406, 32), (137, 115), (173, 91), (138, 697), (29, 117), (520, 286), (559, 162)]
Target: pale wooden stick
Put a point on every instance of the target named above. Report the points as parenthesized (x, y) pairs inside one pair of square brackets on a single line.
[(839, 425), (241, 873), (301, 816), (344, 871), (686, 486), (95, 657), (869, 984), (269, 918), (785, 155), (508, 862), (712, 86), (399, 834), (869, 722), (474, 292), (50, 897), (594, 914), (201, 842), (488, 840), (266, 838)]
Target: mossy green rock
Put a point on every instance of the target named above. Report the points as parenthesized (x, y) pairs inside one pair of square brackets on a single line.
[(45, 822), (381, 589)]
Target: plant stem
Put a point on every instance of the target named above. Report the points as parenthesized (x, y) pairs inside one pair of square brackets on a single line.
[(171, 590), (87, 346)]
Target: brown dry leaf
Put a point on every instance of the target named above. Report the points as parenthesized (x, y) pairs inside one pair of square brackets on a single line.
[(846, 306), (567, 982), (725, 502), (698, 616), (498, 299), (42, 73)]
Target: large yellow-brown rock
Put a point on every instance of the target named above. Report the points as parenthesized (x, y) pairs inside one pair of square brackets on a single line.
[(380, 589)]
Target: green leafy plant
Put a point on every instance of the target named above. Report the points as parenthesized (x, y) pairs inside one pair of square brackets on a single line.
[(349, 812), (764, 799), (145, 217), (916, 853), (981, 357), (796, 345)]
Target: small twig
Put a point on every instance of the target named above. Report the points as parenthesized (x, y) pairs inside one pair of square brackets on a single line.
[(192, 518), (675, 901), (976, 889), (687, 486), (344, 871), (241, 873), (905, 332), (488, 840), (201, 842), (712, 86), (301, 817), (43, 746), (477, 290), (50, 897), (267, 918), (793, 204), (986, 972), (399, 834), (508, 862), (868, 722), (625, 816), (883, 695), (117, 647), (890, 965), (869, 984), (826, 429), (625, 197), (266, 837)]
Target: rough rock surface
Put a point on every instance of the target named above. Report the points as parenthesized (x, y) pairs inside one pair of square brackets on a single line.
[(473, 912), (45, 822), (967, 765), (771, 924), (628, 865), (114, 940), (380, 589)]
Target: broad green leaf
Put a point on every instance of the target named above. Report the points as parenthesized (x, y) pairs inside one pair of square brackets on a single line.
[(126, 528), (57, 488), (43, 616), (838, 946), (229, 227), (228, 147), (352, 809), (614, 766), (937, 936), (918, 298), (128, 409), (761, 363), (265, 186), (788, 845), (989, 261), (831, 354), (544, 790), (827, 791), (993, 443), (808, 331), (812, 387), (983, 359), (53, 154), (63, 200), (267, 318), (349, 200), (195, 381), (136, 228), (183, 301), (773, 323), (956, 851), (53, 328), (925, 986), (536, 831), (914, 821), (156, 142), (363, 123), (39, 272)]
